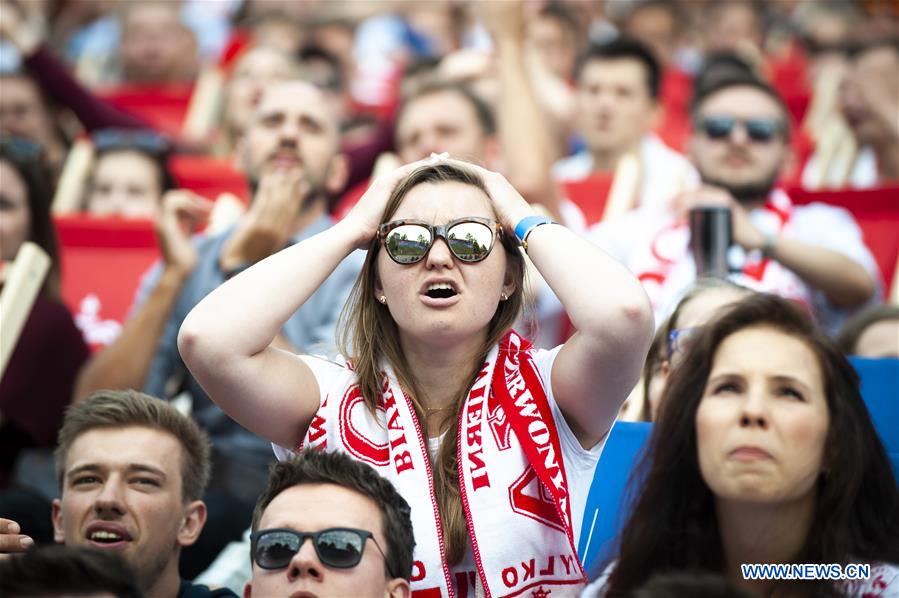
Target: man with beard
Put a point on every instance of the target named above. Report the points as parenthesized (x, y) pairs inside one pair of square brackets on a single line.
[(813, 253), (290, 154)]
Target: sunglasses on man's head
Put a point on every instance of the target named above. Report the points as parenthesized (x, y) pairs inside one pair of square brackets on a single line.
[(337, 547), (469, 239), (757, 129)]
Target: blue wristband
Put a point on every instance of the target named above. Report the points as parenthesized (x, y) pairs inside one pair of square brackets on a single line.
[(527, 224)]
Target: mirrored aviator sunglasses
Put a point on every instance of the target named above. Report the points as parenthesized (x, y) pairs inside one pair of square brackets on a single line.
[(760, 130), (469, 239), (339, 547)]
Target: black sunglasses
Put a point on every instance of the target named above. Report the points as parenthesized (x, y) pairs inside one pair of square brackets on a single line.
[(761, 130), (337, 547), (469, 239)]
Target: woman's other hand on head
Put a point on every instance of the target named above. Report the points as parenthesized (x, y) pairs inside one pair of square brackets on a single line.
[(366, 216), (510, 206)]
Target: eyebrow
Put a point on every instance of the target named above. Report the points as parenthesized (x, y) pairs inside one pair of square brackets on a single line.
[(131, 468)]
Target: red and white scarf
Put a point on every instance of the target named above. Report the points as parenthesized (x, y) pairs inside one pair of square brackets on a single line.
[(511, 476), (665, 267)]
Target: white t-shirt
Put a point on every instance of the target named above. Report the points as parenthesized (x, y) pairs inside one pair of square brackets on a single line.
[(663, 171), (334, 379), (639, 237)]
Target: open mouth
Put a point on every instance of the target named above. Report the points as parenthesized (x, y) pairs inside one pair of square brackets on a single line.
[(441, 290), (108, 535)]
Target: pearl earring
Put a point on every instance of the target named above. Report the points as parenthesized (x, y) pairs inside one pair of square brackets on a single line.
[(504, 296), (383, 299)]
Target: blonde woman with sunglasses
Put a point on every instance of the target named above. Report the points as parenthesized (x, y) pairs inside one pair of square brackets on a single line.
[(492, 442)]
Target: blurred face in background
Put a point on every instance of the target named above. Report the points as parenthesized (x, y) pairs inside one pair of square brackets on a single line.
[(444, 121), (257, 69), (872, 87), (733, 26), (880, 339), (125, 183), (555, 44), (15, 212), (615, 108), (23, 112), (294, 127), (657, 27), (156, 46)]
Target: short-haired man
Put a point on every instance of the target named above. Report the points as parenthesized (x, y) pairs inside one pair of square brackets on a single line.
[(131, 472), (290, 153), (67, 571), (330, 525), (617, 107), (813, 253), (869, 101)]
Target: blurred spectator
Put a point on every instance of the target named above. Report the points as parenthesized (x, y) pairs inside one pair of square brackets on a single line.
[(129, 175), (812, 253), (617, 104), (765, 453), (156, 46), (659, 25), (689, 585), (557, 37), (321, 494), (290, 153), (40, 375), (870, 102), (735, 26), (447, 117), (699, 305), (24, 113), (256, 69), (67, 571), (872, 333)]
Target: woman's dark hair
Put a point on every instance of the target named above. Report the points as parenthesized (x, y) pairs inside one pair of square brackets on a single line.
[(673, 525), (853, 329), (26, 158)]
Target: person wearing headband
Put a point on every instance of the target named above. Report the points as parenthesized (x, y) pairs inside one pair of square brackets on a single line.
[(493, 443)]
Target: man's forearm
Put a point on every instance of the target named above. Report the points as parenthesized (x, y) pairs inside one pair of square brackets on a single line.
[(126, 362), (524, 132), (843, 281)]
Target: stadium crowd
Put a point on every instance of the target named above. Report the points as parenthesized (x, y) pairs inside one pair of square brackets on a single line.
[(363, 298)]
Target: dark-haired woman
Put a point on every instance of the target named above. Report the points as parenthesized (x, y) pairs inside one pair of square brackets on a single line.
[(764, 453), (492, 443), (38, 382)]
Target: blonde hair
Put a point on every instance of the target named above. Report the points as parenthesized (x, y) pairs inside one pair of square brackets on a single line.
[(369, 335)]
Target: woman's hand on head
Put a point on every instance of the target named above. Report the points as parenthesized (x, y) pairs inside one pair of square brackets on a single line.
[(365, 217), (508, 203)]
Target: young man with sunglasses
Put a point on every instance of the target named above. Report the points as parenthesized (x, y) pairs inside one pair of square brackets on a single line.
[(329, 525), (813, 253)]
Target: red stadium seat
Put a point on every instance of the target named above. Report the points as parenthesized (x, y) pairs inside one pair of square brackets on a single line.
[(877, 213), (208, 176), (163, 107), (102, 263)]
